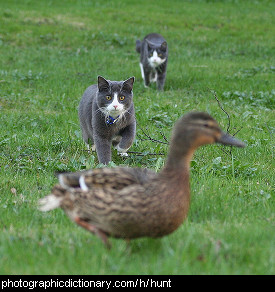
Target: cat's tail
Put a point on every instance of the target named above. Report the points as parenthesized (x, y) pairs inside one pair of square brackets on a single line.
[(138, 46)]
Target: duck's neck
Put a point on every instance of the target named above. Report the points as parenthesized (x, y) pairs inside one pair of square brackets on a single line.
[(176, 176), (179, 157)]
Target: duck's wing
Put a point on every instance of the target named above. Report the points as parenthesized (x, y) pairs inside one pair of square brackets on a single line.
[(104, 212), (115, 178)]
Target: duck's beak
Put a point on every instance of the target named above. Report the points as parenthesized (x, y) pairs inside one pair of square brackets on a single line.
[(227, 139)]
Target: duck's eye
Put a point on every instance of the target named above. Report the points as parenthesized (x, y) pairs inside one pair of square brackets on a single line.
[(108, 97), (122, 97)]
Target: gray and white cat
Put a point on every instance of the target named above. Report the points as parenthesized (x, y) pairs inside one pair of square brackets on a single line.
[(153, 51), (107, 116)]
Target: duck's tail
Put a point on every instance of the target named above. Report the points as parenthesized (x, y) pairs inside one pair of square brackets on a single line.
[(48, 203), (53, 200)]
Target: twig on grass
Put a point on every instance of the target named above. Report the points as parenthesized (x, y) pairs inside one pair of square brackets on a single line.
[(143, 153), (221, 107), (228, 124), (149, 138)]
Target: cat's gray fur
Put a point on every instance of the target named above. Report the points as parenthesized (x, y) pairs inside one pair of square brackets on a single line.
[(153, 70), (94, 118)]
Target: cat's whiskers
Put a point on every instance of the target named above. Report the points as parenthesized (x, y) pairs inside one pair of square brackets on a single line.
[(101, 110), (123, 115)]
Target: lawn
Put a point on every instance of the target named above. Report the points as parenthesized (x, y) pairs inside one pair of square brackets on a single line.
[(51, 51)]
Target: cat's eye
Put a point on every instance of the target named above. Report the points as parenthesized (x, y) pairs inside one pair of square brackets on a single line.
[(108, 97), (122, 97), (160, 55)]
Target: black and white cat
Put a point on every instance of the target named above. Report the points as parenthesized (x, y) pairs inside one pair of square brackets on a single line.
[(107, 116), (153, 51)]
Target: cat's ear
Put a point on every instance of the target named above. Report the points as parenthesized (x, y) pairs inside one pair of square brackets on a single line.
[(164, 46), (128, 84), (103, 84), (149, 44)]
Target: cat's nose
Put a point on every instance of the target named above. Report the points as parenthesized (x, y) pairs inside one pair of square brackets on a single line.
[(115, 106)]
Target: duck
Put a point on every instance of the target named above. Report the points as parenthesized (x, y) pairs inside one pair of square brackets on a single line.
[(129, 203)]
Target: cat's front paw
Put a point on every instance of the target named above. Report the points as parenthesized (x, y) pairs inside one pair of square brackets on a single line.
[(121, 151), (123, 154), (90, 148)]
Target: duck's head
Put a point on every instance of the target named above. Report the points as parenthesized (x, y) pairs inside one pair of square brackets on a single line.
[(198, 128)]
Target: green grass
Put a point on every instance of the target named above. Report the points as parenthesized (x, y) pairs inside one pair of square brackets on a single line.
[(51, 51)]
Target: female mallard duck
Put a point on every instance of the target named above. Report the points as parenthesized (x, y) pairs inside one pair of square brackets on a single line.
[(129, 203)]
